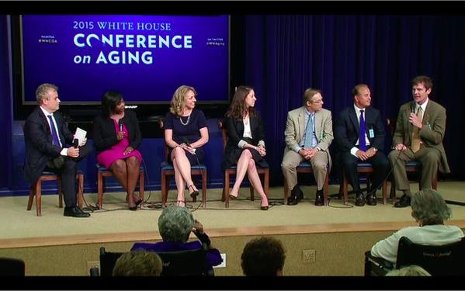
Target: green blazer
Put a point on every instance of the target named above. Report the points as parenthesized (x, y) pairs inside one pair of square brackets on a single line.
[(432, 132)]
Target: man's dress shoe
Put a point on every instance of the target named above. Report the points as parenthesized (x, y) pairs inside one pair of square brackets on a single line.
[(359, 199), (403, 202), (75, 212), (319, 199), (296, 196), (371, 199)]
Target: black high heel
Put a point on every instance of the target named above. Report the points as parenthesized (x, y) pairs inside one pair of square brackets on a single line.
[(194, 193)]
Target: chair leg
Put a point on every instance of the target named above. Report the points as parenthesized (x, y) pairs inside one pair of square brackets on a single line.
[(226, 189), (345, 189), (100, 190), (392, 193), (31, 197), (286, 191), (204, 189), (266, 182), (384, 192), (326, 190), (141, 184), (38, 192), (434, 182), (252, 192), (60, 192), (80, 190), (164, 190)]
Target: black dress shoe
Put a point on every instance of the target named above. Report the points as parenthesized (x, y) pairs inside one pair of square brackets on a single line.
[(319, 199), (75, 212), (371, 199), (359, 199), (296, 196), (403, 202)]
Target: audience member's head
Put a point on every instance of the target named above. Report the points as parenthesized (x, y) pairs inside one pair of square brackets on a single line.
[(138, 263), (412, 270), (429, 208), (175, 224), (263, 256)]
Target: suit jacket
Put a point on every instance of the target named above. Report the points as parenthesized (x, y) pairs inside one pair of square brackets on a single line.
[(295, 129), (432, 132), (347, 129), (104, 131), (235, 129), (39, 146)]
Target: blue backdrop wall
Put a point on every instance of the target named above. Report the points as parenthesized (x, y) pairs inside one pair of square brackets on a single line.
[(281, 56)]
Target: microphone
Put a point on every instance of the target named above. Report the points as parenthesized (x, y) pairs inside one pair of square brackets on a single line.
[(186, 141), (412, 107), (120, 123), (75, 143)]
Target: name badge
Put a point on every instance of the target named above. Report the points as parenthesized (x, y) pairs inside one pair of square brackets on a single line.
[(371, 133)]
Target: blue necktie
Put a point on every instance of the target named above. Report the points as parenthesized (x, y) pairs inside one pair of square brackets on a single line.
[(309, 132), (56, 140), (362, 145)]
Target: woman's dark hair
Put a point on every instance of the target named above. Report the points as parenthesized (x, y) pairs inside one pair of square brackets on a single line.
[(237, 107), (110, 100)]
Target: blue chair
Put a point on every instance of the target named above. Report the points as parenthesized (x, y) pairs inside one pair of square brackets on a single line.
[(306, 168), (167, 171), (366, 168), (36, 190), (104, 172)]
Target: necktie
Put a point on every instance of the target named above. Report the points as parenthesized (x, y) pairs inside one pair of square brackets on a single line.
[(55, 139), (309, 131), (362, 145), (416, 132)]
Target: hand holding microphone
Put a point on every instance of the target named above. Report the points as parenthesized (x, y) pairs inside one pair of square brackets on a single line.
[(120, 133), (188, 146)]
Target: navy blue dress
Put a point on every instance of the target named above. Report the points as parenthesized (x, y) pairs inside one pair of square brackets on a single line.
[(187, 129)]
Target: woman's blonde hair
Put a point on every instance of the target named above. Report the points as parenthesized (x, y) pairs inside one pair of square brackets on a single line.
[(178, 101)]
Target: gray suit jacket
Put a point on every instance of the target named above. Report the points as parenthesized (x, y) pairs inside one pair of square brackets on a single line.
[(295, 129), (432, 132)]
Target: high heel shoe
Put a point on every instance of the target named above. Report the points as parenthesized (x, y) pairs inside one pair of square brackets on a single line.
[(264, 207), (232, 197), (194, 193), (133, 208)]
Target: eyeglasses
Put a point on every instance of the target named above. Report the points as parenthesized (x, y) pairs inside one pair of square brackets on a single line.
[(317, 101)]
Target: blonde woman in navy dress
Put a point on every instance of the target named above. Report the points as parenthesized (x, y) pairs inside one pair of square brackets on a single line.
[(185, 133)]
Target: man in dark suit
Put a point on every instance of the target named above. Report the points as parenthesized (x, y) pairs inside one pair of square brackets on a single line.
[(420, 129), (359, 135), (49, 147)]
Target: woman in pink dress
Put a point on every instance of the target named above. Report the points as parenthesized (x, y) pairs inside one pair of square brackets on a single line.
[(117, 136)]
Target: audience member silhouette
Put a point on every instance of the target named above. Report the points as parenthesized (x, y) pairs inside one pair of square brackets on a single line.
[(175, 225), (430, 211), (263, 256), (412, 270), (138, 263)]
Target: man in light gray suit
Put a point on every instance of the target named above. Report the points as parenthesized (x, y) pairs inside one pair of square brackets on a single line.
[(308, 135), (425, 121)]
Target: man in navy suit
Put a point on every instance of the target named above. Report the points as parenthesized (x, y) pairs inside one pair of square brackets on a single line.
[(367, 146), (49, 147)]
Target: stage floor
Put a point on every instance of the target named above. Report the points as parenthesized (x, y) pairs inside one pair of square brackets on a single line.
[(21, 228)]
